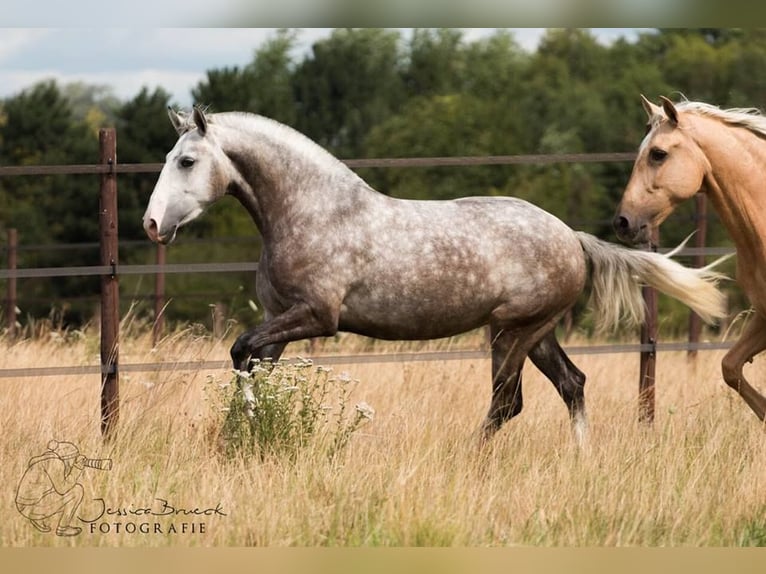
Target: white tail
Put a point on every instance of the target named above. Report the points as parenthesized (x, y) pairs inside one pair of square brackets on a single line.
[(618, 273)]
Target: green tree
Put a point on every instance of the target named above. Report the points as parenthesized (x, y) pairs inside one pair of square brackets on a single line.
[(347, 85), (692, 65), (264, 86), (271, 73), (473, 110), (460, 130), (436, 62), (225, 89), (743, 70), (40, 129)]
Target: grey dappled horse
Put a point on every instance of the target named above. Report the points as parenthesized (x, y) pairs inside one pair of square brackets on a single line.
[(339, 256)]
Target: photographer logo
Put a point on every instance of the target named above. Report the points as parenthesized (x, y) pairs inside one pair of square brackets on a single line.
[(50, 496)]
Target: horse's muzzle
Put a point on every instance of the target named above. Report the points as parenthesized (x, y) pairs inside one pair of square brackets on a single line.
[(152, 230), (621, 227), (630, 232)]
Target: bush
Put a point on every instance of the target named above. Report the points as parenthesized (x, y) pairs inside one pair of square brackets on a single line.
[(279, 409)]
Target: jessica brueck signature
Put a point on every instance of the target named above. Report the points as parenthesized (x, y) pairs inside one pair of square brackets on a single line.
[(160, 507), (143, 518)]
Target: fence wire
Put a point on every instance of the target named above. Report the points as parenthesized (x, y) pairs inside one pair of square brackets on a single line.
[(354, 359), (456, 161)]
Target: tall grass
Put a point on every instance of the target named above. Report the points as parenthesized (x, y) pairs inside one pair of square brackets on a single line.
[(414, 475)]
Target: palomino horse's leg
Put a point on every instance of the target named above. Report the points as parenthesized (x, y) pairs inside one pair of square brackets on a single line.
[(750, 343), (553, 362)]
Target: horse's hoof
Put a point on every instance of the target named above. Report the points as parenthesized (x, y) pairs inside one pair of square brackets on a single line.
[(239, 355)]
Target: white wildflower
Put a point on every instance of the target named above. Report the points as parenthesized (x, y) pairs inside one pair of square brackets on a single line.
[(365, 410)]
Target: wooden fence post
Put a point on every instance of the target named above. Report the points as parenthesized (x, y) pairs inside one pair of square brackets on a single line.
[(159, 296), (110, 300), (648, 361), (11, 301), (700, 238)]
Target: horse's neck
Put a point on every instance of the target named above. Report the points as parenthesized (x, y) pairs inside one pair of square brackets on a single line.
[(287, 187), (736, 187)]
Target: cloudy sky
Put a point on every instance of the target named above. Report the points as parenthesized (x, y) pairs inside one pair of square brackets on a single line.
[(176, 59)]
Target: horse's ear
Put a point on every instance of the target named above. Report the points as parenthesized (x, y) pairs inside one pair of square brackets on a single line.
[(651, 109), (670, 110), (179, 124), (200, 120)]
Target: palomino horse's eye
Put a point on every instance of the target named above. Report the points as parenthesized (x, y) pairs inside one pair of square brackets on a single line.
[(657, 155), (186, 162)]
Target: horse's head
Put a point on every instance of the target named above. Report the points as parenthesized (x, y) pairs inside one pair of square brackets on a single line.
[(670, 167), (196, 173)]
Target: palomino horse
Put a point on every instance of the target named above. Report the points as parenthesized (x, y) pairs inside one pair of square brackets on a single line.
[(338, 255), (694, 147)]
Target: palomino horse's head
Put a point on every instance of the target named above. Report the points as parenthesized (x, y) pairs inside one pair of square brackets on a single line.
[(670, 167), (196, 173)]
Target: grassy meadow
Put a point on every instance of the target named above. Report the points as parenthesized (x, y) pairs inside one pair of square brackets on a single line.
[(412, 476)]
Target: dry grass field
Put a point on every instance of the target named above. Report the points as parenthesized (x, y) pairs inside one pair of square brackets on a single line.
[(412, 476)]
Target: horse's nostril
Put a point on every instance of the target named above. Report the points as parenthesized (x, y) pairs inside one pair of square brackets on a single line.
[(621, 223), (151, 229)]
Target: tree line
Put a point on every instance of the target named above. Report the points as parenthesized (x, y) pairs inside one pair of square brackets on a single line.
[(365, 93)]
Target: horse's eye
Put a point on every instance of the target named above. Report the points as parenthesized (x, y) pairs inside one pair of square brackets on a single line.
[(186, 162), (657, 155)]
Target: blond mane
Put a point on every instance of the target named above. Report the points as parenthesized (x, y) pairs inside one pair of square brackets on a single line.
[(748, 118)]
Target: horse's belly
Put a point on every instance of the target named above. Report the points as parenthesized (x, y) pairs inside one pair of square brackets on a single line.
[(410, 323), (449, 305)]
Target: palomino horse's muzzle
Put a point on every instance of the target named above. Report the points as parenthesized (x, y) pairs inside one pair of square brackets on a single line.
[(622, 228), (631, 231)]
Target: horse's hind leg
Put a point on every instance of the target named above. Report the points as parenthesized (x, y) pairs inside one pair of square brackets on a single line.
[(751, 342), (507, 361), (553, 362)]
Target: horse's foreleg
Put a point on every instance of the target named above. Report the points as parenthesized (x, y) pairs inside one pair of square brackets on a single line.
[(269, 339), (245, 383), (750, 343), (553, 362), (267, 352)]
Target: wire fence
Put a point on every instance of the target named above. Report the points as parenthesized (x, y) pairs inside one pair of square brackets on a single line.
[(352, 359)]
